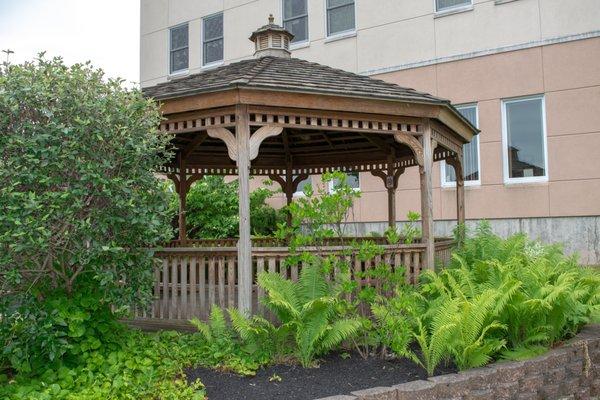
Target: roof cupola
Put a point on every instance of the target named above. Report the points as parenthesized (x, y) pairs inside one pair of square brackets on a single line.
[(271, 40)]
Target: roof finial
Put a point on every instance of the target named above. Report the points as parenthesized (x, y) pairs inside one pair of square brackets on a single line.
[(271, 19)]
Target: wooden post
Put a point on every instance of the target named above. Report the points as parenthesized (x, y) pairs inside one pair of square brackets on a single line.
[(289, 190), (427, 196), (456, 163), (242, 133), (391, 191), (182, 191)]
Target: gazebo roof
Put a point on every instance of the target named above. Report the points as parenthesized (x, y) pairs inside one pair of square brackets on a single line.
[(288, 74)]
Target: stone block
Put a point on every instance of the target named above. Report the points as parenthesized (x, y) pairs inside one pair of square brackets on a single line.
[(485, 394), (575, 368), (556, 375), (376, 393), (340, 397), (415, 390), (531, 383), (551, 391), (506, 390)]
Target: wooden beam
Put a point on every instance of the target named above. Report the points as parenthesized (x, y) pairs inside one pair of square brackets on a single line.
[(197, 141), (426, 171)]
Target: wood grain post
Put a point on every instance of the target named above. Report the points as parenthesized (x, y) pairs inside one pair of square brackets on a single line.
[(182, 192), (242, 133), (391, 191), (427, 196), (456, 163)]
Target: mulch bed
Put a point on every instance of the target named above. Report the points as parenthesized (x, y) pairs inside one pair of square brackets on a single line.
[(335, 375)]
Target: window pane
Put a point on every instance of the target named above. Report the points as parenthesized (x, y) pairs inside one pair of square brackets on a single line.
[(335, 3), (303, 184), (525, 136), (293, 8), (352, 180), (213, 27), (470, 150), (340, 19), (299, 28), (445, 4), (213, 51), (179, 60), (179, 37)]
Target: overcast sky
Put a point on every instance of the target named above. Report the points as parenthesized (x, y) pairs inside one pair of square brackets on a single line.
[(104, 32)]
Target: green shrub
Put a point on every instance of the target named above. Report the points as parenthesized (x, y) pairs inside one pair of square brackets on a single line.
[(138, 366), (78, 192), (212, 210), (57, 330), (242, 348), (308, 310)]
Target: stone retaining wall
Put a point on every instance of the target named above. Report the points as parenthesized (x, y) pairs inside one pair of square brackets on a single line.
[(569, 372)]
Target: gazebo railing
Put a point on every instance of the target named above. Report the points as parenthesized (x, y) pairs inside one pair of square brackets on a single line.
[(190, 280)]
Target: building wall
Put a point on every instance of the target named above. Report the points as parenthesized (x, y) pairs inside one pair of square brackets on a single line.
[(495, 50)]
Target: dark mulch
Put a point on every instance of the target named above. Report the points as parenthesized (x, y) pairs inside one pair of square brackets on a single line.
[(336, 375)]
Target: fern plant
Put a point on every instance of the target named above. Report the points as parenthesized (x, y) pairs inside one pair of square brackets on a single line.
[(308, 311)]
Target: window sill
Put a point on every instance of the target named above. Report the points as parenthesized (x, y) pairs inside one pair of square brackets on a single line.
[(516, 182), (179, 74), (452, 11), (498, 2), (212, 65), (340, 36), (301, 45), (468, 184)]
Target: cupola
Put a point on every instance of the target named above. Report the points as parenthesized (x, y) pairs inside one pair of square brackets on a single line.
[(271, 40)]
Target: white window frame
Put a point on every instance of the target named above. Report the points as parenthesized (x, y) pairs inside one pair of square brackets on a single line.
[(183, 71), (356, 189), (528, 179), (477, 182), (214, 63), (462, 7), (304, 43), (342, 34)]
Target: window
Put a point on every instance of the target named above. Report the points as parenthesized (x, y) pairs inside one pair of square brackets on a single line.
[(470, 153), (443, 5), (340, 16), (302, 185), (212, 39), (524, 140), (295, 19), (352, 180), (178, 49)]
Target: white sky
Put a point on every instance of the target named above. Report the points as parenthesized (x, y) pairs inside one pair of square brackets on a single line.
[(104, 32)]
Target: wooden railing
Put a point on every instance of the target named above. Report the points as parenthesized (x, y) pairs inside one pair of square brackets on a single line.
[(190, 280)]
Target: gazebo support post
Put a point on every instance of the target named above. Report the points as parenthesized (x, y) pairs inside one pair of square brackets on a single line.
[(390, 184), (456, 163), (427, 196), (182, 192), (289, 190), (242, 132)]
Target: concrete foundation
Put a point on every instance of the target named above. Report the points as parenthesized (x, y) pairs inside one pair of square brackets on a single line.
[(578, 235)]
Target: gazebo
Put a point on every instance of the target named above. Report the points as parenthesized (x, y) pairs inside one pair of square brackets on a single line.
[(287, 118)]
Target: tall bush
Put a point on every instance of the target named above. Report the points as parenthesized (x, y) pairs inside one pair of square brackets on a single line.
[(80, 202)]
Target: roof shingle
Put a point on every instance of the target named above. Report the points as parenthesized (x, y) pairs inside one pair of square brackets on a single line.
[(289, 74)]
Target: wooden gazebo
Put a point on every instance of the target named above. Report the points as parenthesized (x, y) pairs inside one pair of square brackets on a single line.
[(287, 118)]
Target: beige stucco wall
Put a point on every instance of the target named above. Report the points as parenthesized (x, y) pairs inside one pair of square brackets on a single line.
[(491, 52), (389, 33)]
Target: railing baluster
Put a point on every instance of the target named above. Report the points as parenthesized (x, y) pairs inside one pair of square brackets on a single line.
[(193, 295), (221, 273)]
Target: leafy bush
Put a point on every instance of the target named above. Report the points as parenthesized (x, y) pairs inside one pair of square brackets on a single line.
[(77, 188), (308, 311), (212, 210), (242, 349), (508, 298), (136, 366)]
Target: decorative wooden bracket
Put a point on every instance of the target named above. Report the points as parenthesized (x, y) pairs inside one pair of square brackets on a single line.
[(390, 182), (413, 143), (260, 135), (255, 140), (226, 136), (456, 163)]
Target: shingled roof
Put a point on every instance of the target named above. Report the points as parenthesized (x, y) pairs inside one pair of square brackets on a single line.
[(287, 74)]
